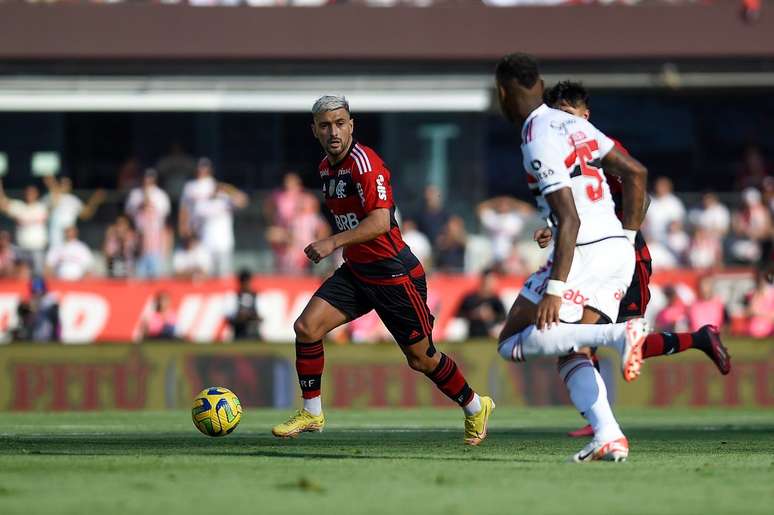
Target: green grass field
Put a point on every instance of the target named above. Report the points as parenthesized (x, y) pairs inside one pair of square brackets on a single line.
[(384, 462)]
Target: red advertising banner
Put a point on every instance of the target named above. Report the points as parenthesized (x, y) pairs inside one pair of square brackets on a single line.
[(102, 310)]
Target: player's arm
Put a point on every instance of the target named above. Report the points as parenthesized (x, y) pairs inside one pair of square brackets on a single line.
[(375, 224), (554, 183), (375, 193), (92, 204), (635, 182), (568, 224), (238, 197)]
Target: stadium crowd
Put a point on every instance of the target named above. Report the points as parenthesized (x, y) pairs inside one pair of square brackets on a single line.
[(186, 230), (149, 240)]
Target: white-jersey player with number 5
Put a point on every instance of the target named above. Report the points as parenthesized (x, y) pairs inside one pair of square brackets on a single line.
[(568, 305)]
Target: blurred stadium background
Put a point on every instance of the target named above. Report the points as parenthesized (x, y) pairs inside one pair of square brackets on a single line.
[(159, 128)]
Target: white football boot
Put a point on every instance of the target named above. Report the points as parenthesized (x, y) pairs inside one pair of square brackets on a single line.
[(615, 450), (637, 330)]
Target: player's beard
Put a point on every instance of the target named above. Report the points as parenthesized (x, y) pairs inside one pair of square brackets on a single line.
[(338, 151)]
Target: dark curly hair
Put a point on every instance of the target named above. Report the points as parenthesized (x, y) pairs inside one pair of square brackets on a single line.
[(573, 93), (521, 68)]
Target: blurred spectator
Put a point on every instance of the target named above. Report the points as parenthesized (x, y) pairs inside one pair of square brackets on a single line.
[(483, 308), (711, 216), (417, 242), (673, 318), (213, 218), (159, 323), (450, 247), (503, 219), (368, 329), (148, 193), (708, 309), (38, 315), (65, 209), (768, 193), (71, 260), (244, 321), (433, 217), (752, 226), (154, 239), (285, 203), (760, 309), (751, 10), (664, 209), (663, 259), (515, 263), (128, 174), (175, 168), (677, 241), (23, 271), (7, 256), (706, 250), (192, 261), (200, 188), (30, 216), (120, 248), (295, 222), (753, 169)]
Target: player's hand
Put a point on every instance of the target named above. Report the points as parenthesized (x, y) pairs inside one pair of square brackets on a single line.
[(543, 237), (320, 250), (548, 311)]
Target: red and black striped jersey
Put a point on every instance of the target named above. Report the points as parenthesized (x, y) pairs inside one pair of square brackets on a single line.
[(353, 187)]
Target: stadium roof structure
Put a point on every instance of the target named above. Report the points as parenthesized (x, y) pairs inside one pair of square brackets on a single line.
[(469, 31), (385, 93)]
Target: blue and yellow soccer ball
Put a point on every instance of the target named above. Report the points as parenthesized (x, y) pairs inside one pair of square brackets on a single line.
[(216, 411)]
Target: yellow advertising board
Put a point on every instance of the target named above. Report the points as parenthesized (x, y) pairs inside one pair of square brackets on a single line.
[(37, 377)]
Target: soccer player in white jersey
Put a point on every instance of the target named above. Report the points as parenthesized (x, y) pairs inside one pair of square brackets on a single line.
[(563, 307)]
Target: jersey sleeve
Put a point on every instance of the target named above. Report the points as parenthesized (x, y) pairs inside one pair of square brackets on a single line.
[(374, 188), (605, 144), (543, 164)]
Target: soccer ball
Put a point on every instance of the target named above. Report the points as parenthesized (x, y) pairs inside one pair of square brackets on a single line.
[(216, 411)]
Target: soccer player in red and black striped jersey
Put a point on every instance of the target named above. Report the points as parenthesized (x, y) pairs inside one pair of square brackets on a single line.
[(379, 273), (573, 98)]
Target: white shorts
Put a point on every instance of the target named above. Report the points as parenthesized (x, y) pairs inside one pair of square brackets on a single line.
[(599, 276)]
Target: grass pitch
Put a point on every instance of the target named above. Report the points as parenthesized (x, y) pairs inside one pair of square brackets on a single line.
[(384, 462)]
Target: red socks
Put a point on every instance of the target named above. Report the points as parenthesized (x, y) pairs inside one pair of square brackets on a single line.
[(310, 360)]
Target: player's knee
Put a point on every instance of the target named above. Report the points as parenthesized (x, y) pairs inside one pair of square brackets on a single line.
[(305, 331)]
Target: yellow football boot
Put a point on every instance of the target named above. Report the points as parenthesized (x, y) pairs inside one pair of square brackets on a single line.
[(301, 422), (475, 425)]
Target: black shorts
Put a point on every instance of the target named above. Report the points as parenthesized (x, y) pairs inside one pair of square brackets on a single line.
[(401, 303), (635, 301)]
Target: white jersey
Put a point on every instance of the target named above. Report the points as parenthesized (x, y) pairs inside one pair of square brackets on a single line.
[(71, 260), (563, 151), (213, 217)]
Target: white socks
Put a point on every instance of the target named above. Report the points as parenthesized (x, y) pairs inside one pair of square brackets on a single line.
[(561, 339), (474, 406), (313, 405), (589, 395)]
